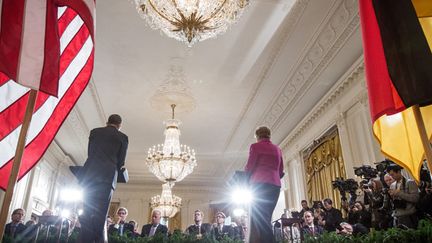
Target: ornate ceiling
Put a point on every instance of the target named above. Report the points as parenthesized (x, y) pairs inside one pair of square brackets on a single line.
[(271, 68)]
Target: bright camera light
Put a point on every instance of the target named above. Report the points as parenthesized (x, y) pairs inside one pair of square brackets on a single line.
[(242, 196), (80, 211), (238, 212), (65, 213), (71, 195)]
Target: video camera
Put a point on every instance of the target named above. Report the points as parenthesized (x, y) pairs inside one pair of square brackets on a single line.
[(349, 185), (344, 186), (382, 165), (366, 172)]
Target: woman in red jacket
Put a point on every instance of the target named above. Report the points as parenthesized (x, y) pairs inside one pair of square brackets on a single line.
[(265, 166)]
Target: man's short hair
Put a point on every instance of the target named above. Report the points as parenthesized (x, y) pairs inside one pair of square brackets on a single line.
[(196, 211), (303, 201), (394, 167), (18, 209), (114, 119), (156, 211), (221, 213), (328, 201), (262, 132), (122, 209), (308, 211)]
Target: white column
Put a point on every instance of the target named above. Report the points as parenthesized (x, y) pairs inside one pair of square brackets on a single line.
[(345, 144), (28, 200)]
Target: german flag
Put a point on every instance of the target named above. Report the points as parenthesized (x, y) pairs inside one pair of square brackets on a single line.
[(397, 42)]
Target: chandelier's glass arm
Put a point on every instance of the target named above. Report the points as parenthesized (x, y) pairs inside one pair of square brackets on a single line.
[(158, 12), (176, 7), (217, 11)]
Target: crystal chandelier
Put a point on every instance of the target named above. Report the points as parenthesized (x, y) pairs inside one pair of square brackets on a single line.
[(166, 203), (171, 162), (191, 21)]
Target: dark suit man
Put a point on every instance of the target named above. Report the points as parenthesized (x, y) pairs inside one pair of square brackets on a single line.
[(106, 155), (198, 229), (16, 228), (309, 228), (219, 229), (219, 233), (155, 227), (121, 227), (332, 217)]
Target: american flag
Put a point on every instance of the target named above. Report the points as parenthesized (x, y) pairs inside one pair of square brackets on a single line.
[(46, 45)]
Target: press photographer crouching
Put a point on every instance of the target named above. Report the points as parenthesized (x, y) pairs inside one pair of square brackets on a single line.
[(404, 194)]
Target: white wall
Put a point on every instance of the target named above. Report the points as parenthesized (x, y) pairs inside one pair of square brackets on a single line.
[(39, 189), (345, 106)]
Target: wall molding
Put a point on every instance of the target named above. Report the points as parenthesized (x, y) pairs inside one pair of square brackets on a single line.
[(95, 95), (354, 75), (341, 22), (331, 37), (280, 41)]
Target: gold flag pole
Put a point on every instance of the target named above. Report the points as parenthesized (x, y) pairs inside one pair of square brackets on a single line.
[(423, 135), (16, 164)]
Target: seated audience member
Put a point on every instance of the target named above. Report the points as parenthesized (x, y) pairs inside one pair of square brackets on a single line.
[(121, 227), (332, 217), (219, 229), (135, 228), (47, 212), (405, 194), (33, 220), (31, 228), (155, 227), (309, 227), (345, 229), (199, 229), (318, 214), (16, 228), (240, 228), (47, 224), (359, 214), (305, 208), (359, 229)]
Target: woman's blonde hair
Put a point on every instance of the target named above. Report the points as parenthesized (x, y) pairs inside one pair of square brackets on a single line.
[(262, 132)]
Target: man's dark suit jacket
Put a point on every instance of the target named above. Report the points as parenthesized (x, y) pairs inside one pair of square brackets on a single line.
[(318, 230), (333, 218), (193, 229), (18, 234), (128, 229), (226, 230), (106, 154), (161, 229)]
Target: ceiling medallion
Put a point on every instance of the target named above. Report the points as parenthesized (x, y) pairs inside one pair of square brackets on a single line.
[(174, 90)]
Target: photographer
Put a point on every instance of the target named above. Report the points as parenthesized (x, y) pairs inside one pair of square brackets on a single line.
[(376, 193), (359, 215), (405, 194), (332, 217)]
